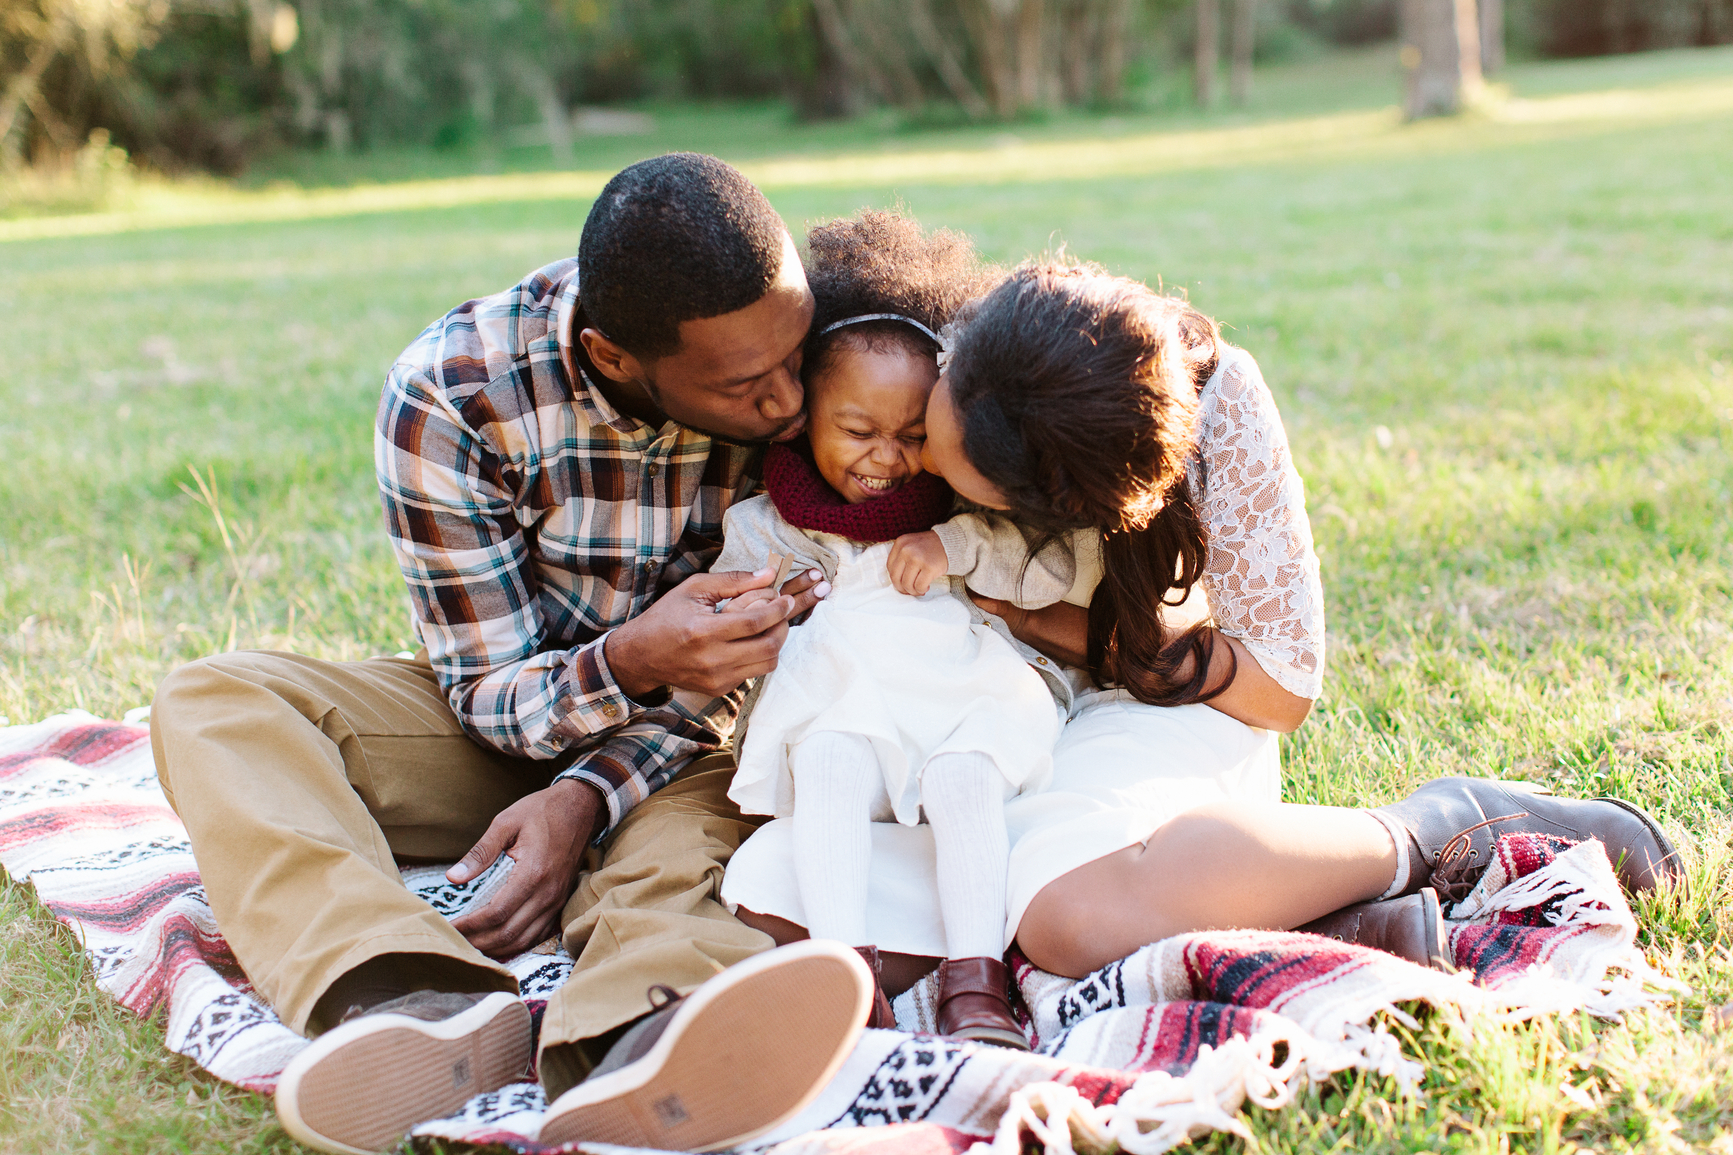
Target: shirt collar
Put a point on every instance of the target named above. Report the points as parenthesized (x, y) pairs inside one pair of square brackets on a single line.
[(585, 395)]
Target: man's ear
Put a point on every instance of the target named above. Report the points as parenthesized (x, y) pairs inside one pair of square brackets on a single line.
[(612, 361)]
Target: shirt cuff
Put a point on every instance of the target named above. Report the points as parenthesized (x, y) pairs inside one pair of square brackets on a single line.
[(597, 702), (956, 543), (621, 785)]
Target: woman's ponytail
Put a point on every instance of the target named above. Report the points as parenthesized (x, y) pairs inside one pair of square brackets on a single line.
[(1142, 569), (1078, 394)]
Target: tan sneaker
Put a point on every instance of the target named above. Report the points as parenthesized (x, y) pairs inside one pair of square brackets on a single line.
[(359, 1086), (737, 1057)]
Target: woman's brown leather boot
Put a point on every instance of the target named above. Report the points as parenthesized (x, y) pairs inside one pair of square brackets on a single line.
[(1411, 927), (972, 1003), (882, 1017)]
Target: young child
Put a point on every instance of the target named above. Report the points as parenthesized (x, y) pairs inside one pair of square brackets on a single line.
[(895, 699)]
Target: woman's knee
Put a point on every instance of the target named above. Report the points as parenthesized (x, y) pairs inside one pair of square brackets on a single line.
[(1074, 924)]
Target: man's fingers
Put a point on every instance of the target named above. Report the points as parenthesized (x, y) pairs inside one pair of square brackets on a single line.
[(512, 894), (751, 621), (483, 854), (750, 598), (728, 584), (517, 928)]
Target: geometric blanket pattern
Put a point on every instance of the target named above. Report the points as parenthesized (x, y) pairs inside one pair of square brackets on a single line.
[(1160, 1047)]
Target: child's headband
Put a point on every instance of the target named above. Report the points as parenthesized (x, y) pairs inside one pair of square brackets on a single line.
[(865, 317)]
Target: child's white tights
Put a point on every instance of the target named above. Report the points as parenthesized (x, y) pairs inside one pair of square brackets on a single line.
[(837, 779)]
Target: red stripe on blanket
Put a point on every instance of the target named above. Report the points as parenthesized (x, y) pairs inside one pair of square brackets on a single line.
[(1182, 1029), (183, 946), (80, 745), (1262, 975), (128, 912), (65, 819)]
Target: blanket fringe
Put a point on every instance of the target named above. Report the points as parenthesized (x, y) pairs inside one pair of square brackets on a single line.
[(1160, 1111), (1611, 976)]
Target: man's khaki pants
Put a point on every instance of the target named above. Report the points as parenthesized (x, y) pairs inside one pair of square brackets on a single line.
[(301, 782)]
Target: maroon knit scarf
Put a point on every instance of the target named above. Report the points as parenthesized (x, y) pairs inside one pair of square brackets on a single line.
[(805, 501)]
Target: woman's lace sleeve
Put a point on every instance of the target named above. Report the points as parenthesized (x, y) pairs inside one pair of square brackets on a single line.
[(1262, 576)]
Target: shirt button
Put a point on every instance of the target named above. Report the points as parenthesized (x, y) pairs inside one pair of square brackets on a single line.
[(654, 470), (652, 565), (1041, 661), (611, 710)]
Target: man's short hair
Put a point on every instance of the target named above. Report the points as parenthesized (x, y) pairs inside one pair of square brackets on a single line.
[(676, 238)]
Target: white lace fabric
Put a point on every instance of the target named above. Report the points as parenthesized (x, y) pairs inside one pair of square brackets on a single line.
[(1262, 575)]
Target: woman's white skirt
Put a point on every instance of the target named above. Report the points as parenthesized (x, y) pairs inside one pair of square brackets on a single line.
[(1121, 769)]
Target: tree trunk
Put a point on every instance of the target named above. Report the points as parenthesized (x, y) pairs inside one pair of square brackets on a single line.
[(1031, 53), (903, 85), (938, 49), (22, 87), (1077, 49), (986, 25), (555, 119), (1441, 55), (853, 64), (1491, 36), (1468, 49), (1244, 36), (834, 91), (1204, 63), (1113, 25)]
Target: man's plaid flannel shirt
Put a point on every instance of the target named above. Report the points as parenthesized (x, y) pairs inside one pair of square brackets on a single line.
[(530, 518)]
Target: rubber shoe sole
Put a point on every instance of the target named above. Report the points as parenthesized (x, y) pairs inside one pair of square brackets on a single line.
[(359, 1086), (743, 1054)]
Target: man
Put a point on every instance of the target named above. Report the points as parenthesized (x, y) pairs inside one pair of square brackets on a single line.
[(554, 467)]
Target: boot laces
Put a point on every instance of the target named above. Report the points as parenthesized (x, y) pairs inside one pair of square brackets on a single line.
[(1458, 866)]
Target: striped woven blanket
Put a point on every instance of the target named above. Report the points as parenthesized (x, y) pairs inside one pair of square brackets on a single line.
[(1162, 1046)]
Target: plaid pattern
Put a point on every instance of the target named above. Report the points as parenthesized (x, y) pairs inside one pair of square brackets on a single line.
[(530, 518)]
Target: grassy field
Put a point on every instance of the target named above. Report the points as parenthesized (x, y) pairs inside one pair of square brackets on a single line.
[(1503, 346)]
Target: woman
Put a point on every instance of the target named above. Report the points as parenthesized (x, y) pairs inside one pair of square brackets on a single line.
[(1088, 405)]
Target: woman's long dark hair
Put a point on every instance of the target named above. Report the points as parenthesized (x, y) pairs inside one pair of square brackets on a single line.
[(1078, 396)]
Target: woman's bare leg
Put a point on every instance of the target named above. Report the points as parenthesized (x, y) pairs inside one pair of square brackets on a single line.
[(1265, 866), (898, 972)]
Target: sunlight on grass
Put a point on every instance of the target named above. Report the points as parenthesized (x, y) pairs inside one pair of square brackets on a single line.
[(1503, 347), (1498, 122)]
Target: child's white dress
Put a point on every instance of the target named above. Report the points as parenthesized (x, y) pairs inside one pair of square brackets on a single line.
[(1122, 768), (913, 675)]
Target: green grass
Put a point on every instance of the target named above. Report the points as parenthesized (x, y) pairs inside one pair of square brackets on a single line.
[(1503, 346)]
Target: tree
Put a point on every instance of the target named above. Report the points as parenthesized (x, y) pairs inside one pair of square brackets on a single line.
[(1491, 36), (1440, 54), (1244, 36), (1204, 59), (95, 34)]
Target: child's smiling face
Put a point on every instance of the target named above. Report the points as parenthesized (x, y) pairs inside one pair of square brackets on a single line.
[(867, 418)]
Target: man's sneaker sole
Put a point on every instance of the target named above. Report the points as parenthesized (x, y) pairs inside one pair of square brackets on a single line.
[(359, 1086), (743, 1054)]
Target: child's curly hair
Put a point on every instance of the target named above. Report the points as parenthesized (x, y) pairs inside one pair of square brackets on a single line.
[(884, 262)]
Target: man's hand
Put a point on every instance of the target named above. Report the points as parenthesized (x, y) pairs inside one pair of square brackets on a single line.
[(545, 834), (916, 561), (681, 640)]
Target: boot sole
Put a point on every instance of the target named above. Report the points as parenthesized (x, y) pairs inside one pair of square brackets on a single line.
[(1437, 938), (359, 1086), (1010, 1040), (743, 1054)]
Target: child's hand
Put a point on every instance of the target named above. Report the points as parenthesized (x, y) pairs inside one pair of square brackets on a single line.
[(916, 559)]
